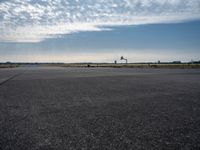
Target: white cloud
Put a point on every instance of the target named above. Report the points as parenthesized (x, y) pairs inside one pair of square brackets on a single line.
[(36, 20)]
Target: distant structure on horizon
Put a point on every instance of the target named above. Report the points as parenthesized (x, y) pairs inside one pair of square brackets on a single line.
[(122, 58)]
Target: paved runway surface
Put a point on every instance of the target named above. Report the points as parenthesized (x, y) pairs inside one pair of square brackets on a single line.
[(52, 108)]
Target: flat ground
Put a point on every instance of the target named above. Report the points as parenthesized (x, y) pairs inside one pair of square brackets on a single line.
[(52, 108)]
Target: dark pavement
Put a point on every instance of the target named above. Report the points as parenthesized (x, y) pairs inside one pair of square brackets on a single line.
[(52, 108)]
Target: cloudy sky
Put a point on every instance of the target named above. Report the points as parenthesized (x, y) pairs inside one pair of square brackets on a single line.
[(99, 30)]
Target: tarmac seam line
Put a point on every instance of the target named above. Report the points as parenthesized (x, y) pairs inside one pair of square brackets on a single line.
[(12, 77)]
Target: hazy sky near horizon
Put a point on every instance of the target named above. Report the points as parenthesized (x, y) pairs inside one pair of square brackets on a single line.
[(99, 30)]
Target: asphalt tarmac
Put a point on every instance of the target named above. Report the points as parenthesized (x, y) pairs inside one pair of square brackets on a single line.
[(54, 108)]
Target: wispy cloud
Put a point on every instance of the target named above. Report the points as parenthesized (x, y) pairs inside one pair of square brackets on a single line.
[(37, 20)]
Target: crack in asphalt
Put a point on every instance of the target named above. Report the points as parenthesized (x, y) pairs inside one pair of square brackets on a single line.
[(12, 77)]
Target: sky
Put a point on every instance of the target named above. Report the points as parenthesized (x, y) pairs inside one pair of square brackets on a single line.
[(99, 30)]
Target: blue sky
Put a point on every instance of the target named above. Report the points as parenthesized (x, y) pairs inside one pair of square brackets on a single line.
[(99, 30)]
